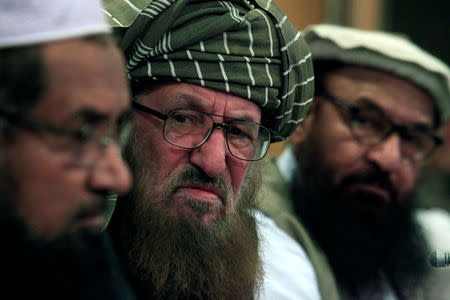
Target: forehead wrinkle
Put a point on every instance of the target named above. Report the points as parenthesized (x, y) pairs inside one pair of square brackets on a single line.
[(244, 113), (84, 76), (196, 103)]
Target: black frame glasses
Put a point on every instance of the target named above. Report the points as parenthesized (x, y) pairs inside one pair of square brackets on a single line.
[(418, 141), (84, 135), (260, 136)]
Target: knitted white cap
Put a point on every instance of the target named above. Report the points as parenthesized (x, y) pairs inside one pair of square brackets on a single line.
[(26, 22)]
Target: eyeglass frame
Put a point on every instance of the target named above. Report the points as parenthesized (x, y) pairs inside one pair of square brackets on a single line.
[(394, 128), (138, 106), (21, 121)]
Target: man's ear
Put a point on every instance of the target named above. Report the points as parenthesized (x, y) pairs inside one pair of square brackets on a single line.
[(300, 134)]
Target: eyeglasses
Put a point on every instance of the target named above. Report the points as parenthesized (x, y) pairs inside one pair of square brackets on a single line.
[(86, 144), (371, 127), (190, 129)]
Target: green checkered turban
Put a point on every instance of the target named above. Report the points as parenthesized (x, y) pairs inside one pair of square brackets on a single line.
[(246, 48)]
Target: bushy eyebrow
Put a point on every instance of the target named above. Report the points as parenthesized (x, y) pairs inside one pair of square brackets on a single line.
[(369, 104), (88, 115), (190, 102), (196, 104)]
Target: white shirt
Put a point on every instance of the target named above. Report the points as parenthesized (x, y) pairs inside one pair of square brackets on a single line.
[(436, 225), (288, 273)]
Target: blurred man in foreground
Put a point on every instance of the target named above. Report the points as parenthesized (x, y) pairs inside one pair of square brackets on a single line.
[(63, 97), (352, 168), (214, 83)]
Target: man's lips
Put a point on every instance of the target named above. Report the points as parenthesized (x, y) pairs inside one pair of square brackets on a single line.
[(95, 222), (374, 189), (209, 194), (91, 219)]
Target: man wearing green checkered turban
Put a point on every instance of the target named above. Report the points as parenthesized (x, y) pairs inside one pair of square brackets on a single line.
[(214, 83)]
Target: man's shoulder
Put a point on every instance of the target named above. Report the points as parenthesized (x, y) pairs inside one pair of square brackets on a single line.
[(276, 202)]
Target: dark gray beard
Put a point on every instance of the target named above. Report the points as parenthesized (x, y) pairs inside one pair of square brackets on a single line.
[(359, 246), (169, 258), (59, 268), (64, 267)]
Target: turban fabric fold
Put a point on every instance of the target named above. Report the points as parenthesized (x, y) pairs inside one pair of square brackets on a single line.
[(246, 48)]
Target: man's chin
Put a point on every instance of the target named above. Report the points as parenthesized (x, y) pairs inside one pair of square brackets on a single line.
[(196, 213), (196, 219), (81, 241), (208, 221)]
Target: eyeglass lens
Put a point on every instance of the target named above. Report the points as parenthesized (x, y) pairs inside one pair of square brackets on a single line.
[(190, 129), (371, 128), (91, 143)]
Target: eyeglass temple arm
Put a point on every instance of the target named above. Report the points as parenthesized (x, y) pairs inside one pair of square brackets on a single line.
[(148, 110), (339, 102), (394, 127), (21, 121), (351, 109)]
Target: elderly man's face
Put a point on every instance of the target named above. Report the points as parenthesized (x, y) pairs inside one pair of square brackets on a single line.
[(60, 182), (200, 185), (381, 175)]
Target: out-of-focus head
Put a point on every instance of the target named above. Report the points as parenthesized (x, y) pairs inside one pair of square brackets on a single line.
[(63, 96), (379, 100), (208, 78)]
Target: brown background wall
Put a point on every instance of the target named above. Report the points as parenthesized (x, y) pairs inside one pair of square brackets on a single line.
[(364, 14), (303, 12)]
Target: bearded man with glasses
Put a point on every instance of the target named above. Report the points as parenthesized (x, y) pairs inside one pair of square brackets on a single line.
[(64, 105), (214, 83), (343, 188)]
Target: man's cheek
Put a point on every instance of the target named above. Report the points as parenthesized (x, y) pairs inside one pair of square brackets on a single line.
[(405, 181), (239, 171)]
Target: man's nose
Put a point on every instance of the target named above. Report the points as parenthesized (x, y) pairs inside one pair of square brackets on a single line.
[(387, 154), (111, 173), (211, 156)]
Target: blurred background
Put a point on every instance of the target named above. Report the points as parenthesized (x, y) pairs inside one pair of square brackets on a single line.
[(426, 23)]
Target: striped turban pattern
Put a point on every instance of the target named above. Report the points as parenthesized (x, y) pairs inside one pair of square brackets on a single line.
[(246, 48)]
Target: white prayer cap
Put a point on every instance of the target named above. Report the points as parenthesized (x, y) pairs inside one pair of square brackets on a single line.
[(27, 22)]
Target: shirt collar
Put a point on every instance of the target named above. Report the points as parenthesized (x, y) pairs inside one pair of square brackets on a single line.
[(287, 164)]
